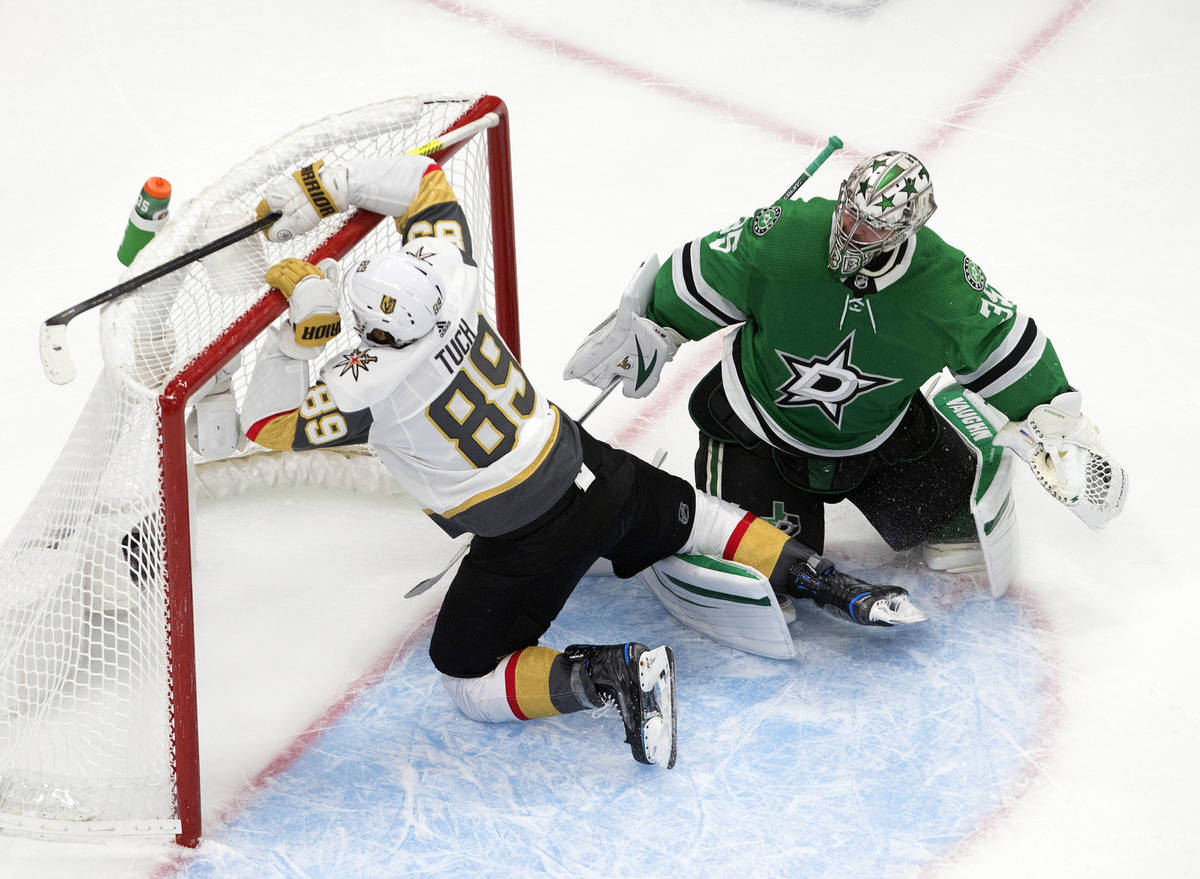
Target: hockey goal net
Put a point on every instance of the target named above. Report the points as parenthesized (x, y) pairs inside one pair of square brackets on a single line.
[(98, 726)]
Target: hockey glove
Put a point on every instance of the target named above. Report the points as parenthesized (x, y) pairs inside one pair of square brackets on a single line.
[(313, 317), (625, 347), (305, 198), (1062, 447)]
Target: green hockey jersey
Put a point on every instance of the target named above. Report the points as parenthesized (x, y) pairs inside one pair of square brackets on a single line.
[(827, 365)]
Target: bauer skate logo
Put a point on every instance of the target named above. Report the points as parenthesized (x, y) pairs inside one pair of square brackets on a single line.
[(830, 383), (764, 219), (355, 362), (974, 275), (315, 190)]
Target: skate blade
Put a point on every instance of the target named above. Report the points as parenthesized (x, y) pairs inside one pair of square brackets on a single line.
[(656, 677), (899, 611)]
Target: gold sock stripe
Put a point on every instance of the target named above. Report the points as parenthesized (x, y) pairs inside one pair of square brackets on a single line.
[(527, 683), (760, 546)]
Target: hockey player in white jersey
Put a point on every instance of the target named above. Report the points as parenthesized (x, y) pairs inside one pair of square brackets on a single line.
[(436, 392)]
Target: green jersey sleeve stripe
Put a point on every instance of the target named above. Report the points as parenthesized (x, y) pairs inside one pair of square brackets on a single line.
[(1021, 349), (692, 289)]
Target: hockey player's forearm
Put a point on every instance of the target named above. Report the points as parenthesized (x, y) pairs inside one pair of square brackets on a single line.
[(1041, 383), (387, 185), (278, 385)]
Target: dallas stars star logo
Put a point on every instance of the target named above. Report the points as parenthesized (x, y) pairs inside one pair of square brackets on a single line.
[(830, 383), (355, 362)]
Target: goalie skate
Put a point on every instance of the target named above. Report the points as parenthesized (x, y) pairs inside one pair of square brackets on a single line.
[(850, 598), (642, 684)]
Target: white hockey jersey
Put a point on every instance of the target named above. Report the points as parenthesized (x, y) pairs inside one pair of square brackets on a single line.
[(452, 416)]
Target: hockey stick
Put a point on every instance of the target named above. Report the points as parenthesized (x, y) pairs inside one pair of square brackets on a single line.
[(834, 144), (428, 582), (596, 402), (56, 359)]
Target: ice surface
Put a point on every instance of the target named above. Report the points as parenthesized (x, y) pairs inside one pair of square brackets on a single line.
[(1048, 733)]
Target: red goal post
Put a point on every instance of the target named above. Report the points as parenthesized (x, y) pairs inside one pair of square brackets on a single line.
[(97, 634)]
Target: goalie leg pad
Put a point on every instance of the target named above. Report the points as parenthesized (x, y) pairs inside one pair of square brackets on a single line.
[(729, 602), (992, 503)]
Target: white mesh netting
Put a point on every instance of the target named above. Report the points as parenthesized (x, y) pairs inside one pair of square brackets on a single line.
[(86, 705)]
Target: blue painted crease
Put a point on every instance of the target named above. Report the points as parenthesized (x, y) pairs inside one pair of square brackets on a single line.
[(874, 752)]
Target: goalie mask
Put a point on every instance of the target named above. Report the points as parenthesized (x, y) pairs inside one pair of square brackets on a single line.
[(395, 299), (884, 201)]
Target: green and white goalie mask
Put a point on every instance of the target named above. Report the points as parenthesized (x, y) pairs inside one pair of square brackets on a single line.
[(884, 201)]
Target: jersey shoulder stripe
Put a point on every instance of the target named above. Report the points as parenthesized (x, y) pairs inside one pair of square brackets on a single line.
[(434, 203), (1021, 348), (697, 293), (275, 431)]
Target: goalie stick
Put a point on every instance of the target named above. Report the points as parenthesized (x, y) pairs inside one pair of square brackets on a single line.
[(834, 144), (52, 342)]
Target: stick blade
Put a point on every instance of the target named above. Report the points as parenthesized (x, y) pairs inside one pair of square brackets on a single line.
[(56, 359)]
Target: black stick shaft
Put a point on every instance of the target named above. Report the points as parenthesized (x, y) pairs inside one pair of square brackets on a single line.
[(165, 269)]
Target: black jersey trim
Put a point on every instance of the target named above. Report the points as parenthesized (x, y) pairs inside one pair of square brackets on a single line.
[(689, 281), (1010, 360)]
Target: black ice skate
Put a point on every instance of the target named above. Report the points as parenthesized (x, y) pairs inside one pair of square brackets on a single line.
[(641, 682), (849, 597)]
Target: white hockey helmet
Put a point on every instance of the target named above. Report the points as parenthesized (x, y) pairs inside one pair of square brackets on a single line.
[(395, 298), (884, 201)]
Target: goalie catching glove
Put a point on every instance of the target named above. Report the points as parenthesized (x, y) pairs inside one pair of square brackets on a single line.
[(304, 198), (627, 347), (313, 317), (1062, 447)]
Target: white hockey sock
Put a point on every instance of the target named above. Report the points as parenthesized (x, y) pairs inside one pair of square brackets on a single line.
[(528, 683), (726, 531), (715, 522)]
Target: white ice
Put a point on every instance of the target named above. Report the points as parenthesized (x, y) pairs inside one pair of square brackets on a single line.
[(1060, 138)]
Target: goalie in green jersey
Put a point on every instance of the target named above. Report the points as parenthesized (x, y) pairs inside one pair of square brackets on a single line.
[(841, 312)]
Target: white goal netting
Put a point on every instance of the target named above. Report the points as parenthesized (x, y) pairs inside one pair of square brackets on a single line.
[(90, 727)]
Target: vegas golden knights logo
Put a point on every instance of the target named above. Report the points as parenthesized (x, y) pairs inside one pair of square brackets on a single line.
[(387, 304)]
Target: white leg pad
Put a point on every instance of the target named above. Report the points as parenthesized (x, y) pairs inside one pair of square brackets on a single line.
[(729, 602), (992, 503)]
